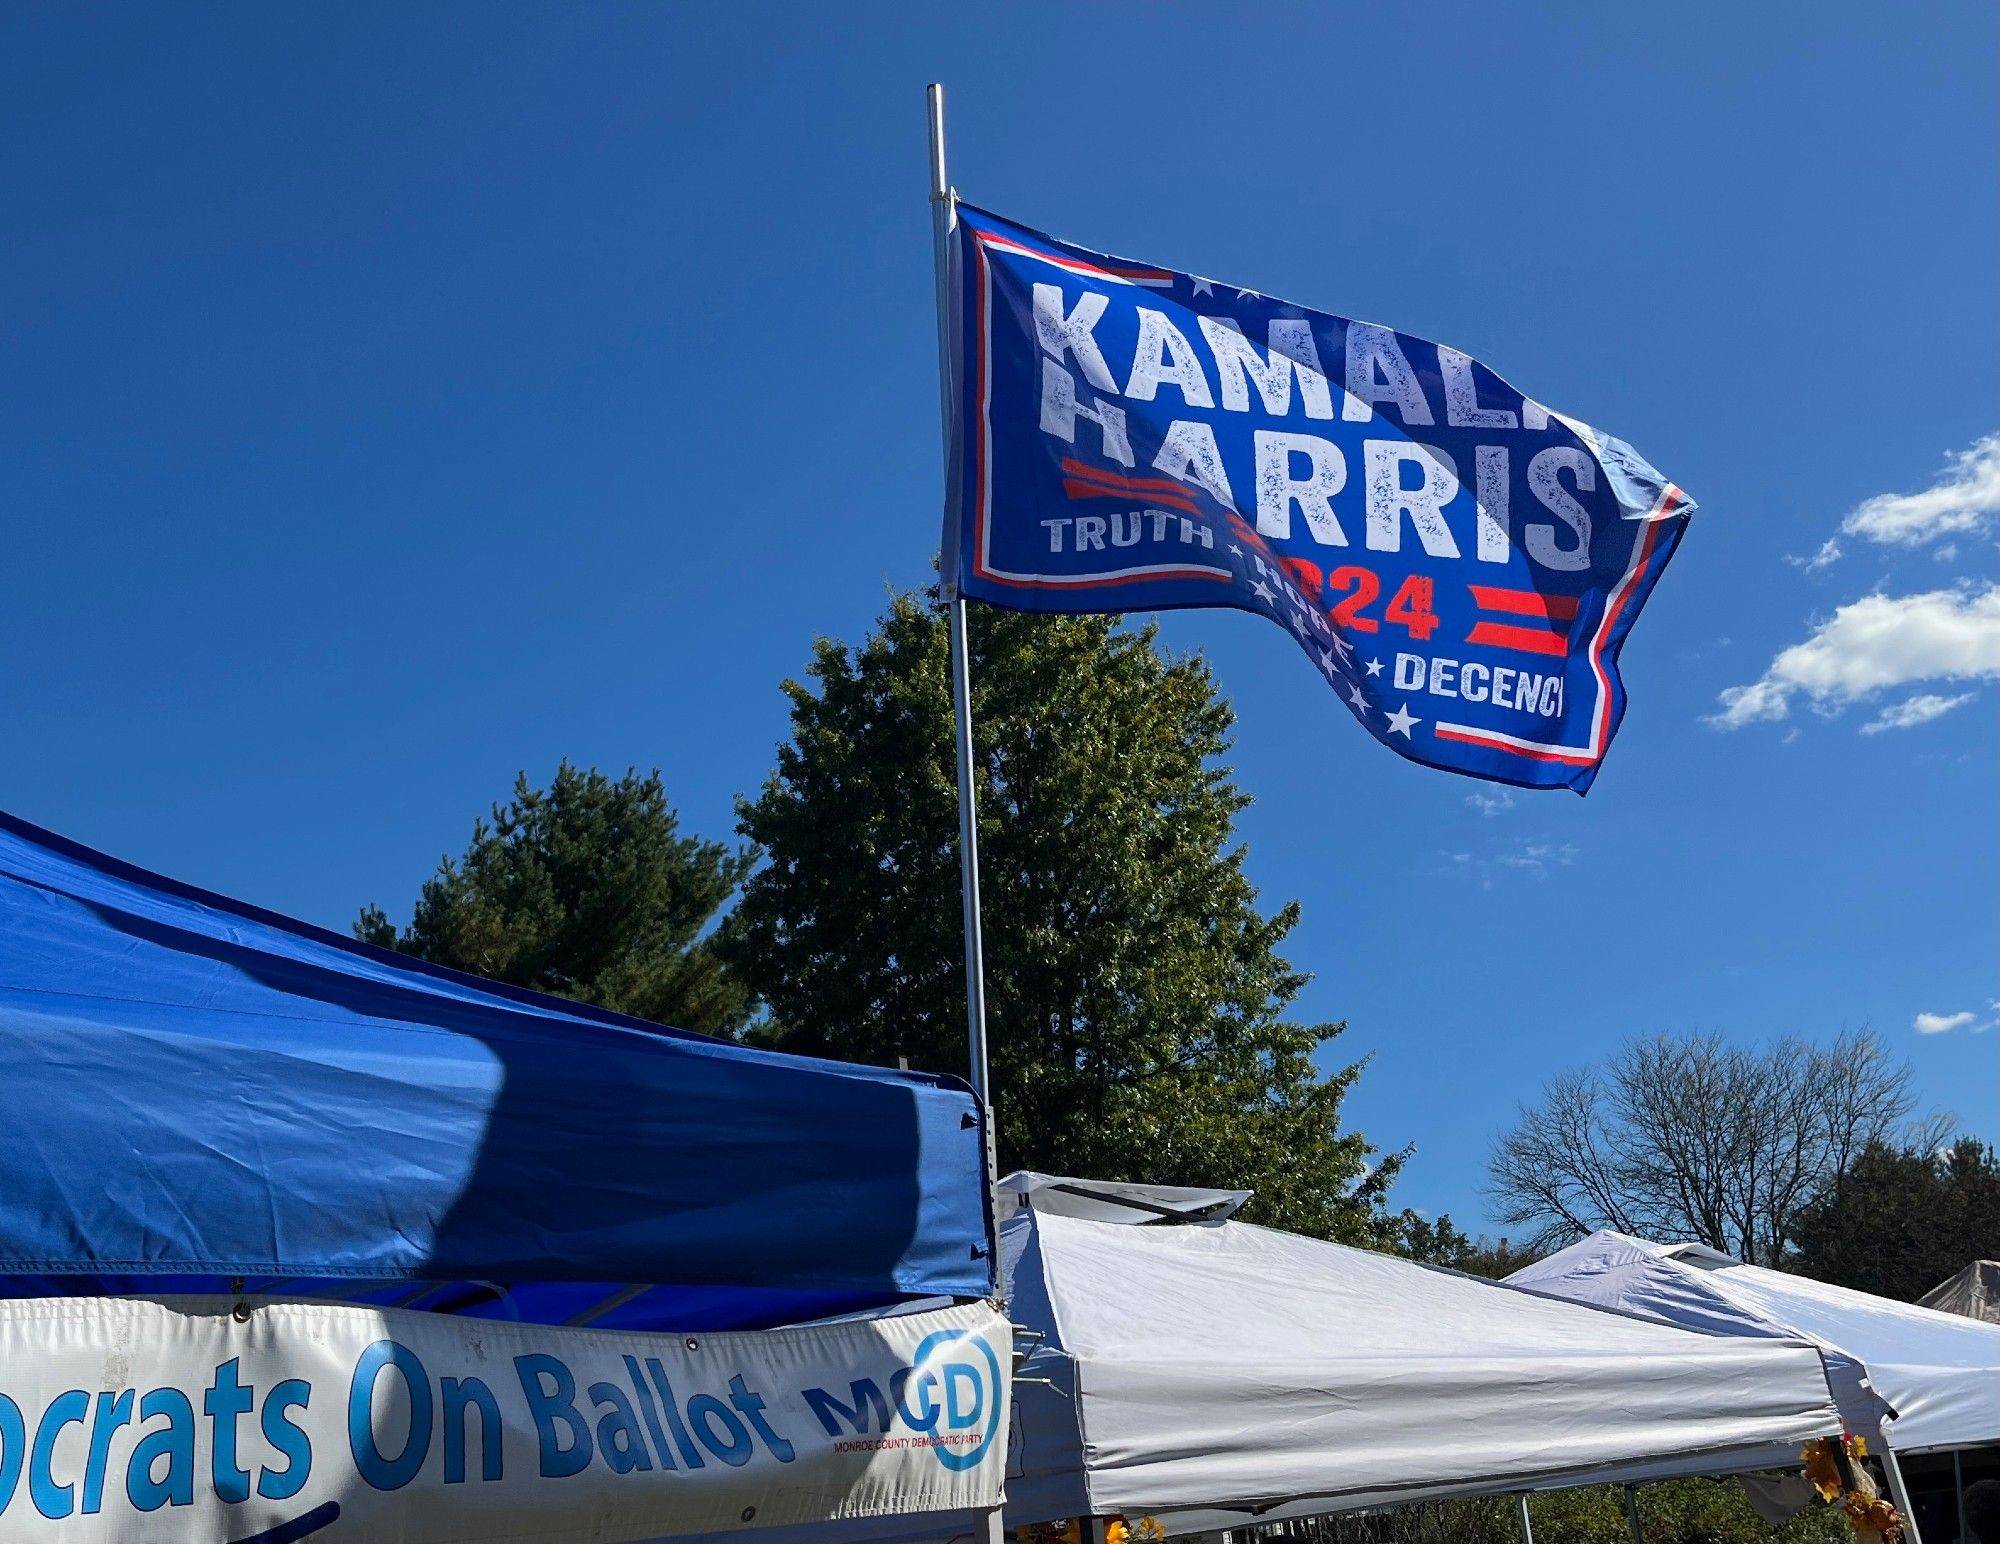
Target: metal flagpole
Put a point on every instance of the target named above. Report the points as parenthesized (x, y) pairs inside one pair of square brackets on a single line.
[(991, 1527), (944, 218)]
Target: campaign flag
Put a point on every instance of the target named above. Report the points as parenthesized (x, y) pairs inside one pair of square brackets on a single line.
[(1459, 562)]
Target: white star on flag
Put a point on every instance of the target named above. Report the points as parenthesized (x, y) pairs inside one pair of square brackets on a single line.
[(1244, 294), (1374, 667), (1263, 591), (1326, 661), (1357, 699), (1202, 286), (1401, 720)]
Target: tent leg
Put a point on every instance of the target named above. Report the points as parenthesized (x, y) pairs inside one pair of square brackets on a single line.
[(1900, 1494), (1632, 1513), (1527, 1523), (989, 1529), (1958, 1490)]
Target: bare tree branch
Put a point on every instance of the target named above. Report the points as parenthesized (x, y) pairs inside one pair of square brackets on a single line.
[(1688, 1138)]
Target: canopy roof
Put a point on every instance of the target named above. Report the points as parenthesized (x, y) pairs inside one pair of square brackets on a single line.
[(1228, 1367), (199, 1090), (1938, 1373), (1974, 1292), (1212, 1374), (1101, 1200)]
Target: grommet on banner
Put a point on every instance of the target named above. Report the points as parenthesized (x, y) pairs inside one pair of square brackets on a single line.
[(749, 1512), (241, 1312), (693, 1344)]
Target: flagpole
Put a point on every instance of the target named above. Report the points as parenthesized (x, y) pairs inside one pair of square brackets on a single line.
[(990, 1527), (944, 219)]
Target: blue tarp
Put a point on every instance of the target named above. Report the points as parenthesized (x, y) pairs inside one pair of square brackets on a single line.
[(197, 1091)]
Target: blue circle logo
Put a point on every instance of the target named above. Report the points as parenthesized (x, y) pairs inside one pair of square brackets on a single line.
[(953, 1393)]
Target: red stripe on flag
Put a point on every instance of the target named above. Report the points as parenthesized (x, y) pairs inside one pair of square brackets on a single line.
[(1249, 533), (1086, 581), (1550, 753), (1527, 639), (1077, 265), (1074, 468), (1087, 490), (1526, 603)]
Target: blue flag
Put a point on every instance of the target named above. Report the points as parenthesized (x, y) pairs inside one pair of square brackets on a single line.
[(1460, 563)]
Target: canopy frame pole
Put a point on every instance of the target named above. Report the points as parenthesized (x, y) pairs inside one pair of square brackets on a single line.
[(1958, 1490), (944, 220), (1632, 1514), (1900, 1494), (1527, 1522), (990, 1528)]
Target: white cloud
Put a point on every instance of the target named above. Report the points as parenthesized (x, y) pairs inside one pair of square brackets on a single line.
[(1826, 557), (1521, 856), (1537, 856), (1963, 499), (1912, 711), (1491, 804), (1877, 642), (1757, 703), (1942, 1023)]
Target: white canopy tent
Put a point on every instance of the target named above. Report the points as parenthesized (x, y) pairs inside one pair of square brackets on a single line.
[(1929, 1382), (1214, 1374), (1223, 1372), (1097, 1200), (1937, 1374), (1973, 1293)]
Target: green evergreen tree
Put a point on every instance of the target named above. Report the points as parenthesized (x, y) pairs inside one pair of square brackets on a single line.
[(1440, 1243), (1902, 1219), (1136, 996), (585, 889)]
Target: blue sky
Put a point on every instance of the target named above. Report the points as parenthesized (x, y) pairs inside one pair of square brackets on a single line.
[(397, 397)]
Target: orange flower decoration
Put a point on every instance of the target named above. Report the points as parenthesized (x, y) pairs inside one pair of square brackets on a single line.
[(1831, 1464), (1822, 1469)]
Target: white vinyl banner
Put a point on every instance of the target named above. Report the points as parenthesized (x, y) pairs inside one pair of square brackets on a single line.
[(167, 1420)]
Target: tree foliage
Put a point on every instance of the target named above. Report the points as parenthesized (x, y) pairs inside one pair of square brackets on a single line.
[(1136, 995), (1691, 1139), (1441, 1243), (1693, 1511), (585, 889), (1902, 1219)]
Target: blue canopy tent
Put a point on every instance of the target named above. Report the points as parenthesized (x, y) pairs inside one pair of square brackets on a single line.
[(202, 1096)]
